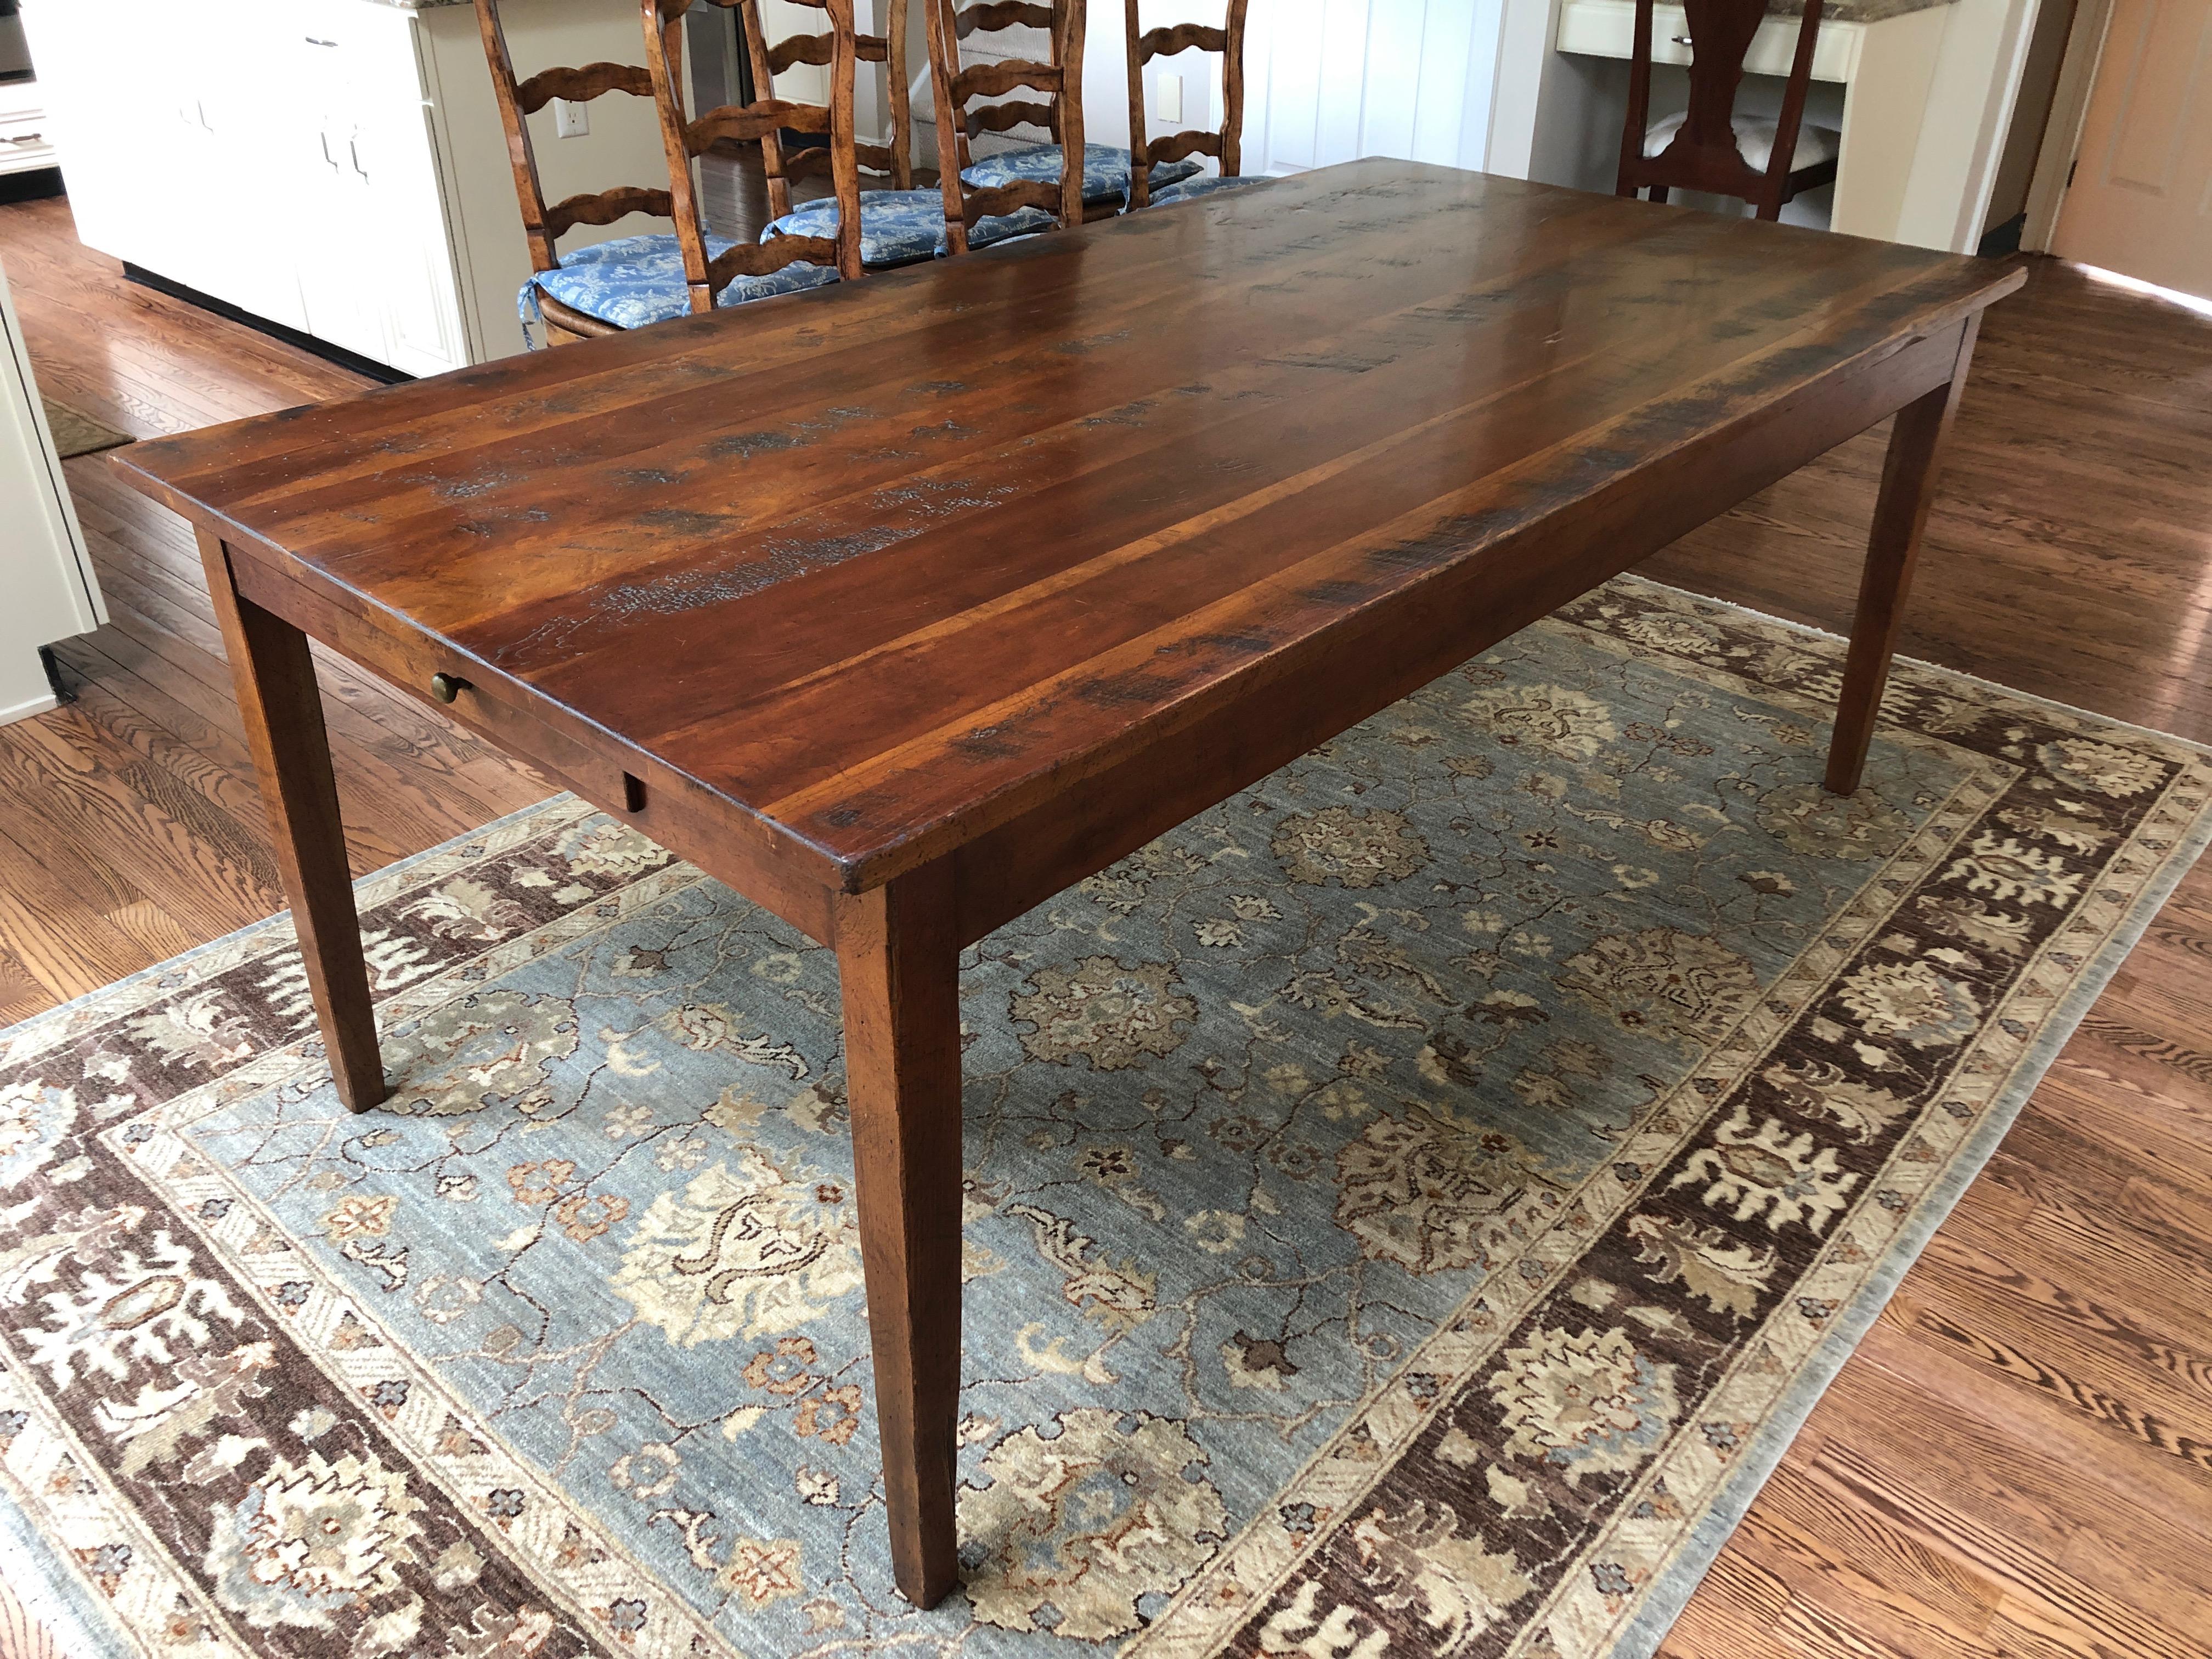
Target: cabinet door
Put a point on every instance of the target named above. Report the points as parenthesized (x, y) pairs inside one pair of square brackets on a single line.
[(98, 116), (394, 159), (241, 206), (375, 267), (334, 248)]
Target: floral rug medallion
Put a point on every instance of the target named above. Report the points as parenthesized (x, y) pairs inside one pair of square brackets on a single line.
[(1410, 1206)]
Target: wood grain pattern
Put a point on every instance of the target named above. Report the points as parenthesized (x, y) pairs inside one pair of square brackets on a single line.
[(2064, 555)]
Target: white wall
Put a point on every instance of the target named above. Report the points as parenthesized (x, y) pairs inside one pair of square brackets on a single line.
[(1325, 81), (1330, 80), (1969, 107)]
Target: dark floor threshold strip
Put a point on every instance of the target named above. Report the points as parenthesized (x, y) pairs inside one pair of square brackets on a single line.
[(322, 348)]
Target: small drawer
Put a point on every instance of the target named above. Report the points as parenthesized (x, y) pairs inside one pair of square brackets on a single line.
[(417, 662)]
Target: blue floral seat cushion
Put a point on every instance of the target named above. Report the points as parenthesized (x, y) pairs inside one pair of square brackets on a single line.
[(898, 226), (1105, 170), (635, 280), (1208, 184)]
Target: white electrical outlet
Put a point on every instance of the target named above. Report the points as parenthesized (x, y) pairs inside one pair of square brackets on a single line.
[(570, 120), (1167, 98)]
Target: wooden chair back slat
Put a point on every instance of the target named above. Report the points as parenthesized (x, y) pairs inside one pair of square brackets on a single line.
[(1176, 145), (1225, 144), (543, 225), (759, 259), (1011, 114), (747, 123), (685, 138), (604, 207), (799, 49), (581, 86), (1002, 15), (995, 201), (993, 79), (1703, 155), (1166, 42), (1060, 112)]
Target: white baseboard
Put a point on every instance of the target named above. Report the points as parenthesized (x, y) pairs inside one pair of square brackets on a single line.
[(23, 711)]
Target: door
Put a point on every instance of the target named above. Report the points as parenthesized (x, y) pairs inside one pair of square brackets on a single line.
[(2141, 201)]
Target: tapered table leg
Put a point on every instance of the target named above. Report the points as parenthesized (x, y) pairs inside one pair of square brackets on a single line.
[(283, 711), (898, 960), (1917, 441)]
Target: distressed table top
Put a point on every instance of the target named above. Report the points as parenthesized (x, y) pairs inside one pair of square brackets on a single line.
[(885, 565)]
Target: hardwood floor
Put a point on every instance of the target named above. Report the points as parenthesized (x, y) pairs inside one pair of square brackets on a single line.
[(2017, 1461)]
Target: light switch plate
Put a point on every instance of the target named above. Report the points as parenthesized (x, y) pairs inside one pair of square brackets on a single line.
[(570, 120), (1167, 98)]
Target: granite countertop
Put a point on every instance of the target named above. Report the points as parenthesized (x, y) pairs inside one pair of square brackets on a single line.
[(1834, 11)]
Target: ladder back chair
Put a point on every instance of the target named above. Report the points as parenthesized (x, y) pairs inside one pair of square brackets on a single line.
[(758, 269), (1105, 169), (894, 159), (607, 287), (1707, 147), (1225, 145), (543, 226), (1044, 186), (899, 224)]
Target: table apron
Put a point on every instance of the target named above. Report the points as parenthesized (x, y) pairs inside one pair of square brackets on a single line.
[(660, 802), (1380, 656)]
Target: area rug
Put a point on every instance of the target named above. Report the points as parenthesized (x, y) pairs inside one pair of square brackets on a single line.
[(76, 433), (1410, 1207)]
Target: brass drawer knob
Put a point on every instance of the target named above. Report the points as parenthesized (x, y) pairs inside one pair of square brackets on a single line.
[(446, 687)]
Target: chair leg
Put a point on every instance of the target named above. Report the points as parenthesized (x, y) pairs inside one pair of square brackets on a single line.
[(1659, 192)]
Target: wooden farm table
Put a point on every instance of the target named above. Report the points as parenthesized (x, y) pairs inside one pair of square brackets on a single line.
[(902, 605)]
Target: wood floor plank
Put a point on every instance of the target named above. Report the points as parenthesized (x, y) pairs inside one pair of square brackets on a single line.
[(1799, 1521)]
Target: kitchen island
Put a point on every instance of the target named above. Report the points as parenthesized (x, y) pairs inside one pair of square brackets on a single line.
[(337, 167)]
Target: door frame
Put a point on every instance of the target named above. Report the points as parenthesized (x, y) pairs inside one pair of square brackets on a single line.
[(2062, 133)]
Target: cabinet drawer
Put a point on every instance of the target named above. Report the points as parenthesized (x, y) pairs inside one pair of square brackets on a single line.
[(26, 140), (1607, 28)]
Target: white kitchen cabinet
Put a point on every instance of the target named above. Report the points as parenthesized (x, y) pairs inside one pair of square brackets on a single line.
[(338, 166), (47, 591)]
